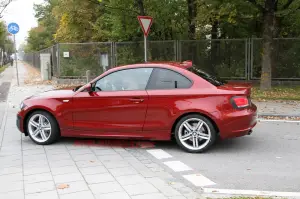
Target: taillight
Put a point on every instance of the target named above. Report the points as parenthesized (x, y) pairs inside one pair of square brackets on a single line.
[(240, 102)]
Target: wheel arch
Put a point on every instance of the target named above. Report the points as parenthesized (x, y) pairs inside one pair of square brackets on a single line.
[(33, 110), (197, 113)]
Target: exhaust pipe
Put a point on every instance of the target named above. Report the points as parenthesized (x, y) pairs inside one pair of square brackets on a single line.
[(249, 133)]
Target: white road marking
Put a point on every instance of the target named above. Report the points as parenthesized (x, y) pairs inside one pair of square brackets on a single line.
[(178, 166), (250, 192), (198, 180), (287, 121), (159, 153)]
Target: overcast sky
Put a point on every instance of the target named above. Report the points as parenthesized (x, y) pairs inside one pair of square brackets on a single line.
[(22, 13)]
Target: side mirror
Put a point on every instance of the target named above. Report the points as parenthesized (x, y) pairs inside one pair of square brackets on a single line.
[(89, 88)]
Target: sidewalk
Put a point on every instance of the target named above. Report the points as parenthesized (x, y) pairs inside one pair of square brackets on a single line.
[(278, 108), (78, 171)]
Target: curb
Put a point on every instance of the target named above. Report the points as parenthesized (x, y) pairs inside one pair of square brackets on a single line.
[(277, 115)]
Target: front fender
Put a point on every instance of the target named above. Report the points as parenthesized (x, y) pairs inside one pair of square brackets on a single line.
[(61, 111)]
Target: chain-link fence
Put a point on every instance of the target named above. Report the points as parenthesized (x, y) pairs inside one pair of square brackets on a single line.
[(226, 58)]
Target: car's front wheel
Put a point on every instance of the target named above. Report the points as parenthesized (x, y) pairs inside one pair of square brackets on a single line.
[(195, 133), (42, 128)]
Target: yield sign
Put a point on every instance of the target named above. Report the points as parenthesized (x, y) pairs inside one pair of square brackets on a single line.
[(145, 22)]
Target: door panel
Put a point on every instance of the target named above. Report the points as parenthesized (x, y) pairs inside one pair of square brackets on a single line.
[(110, 111)]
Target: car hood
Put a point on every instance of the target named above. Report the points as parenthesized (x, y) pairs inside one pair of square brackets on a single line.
[(54, 94)]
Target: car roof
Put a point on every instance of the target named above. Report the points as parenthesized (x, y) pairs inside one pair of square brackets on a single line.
[(183, 65)]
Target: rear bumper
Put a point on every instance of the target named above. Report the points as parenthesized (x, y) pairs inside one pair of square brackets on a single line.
[(239, 123)]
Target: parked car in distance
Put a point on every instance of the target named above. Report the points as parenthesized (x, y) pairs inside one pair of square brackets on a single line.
[(146, 101)]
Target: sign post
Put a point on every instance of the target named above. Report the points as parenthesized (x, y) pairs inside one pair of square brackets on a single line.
[(145, 22), (13, 28)]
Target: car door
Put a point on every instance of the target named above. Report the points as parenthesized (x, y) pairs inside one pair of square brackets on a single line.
[(167, 90), (117, 106)]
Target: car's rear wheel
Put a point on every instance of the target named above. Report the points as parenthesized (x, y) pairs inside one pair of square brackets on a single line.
[(195, 133), (42, 128)]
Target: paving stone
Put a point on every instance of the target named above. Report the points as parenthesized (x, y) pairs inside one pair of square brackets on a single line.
[(122, 171), (69, 177), (13, 163), (36, 170), (59, 157), (80, 151), (86, 157), (131, 179), (168, 191), (32, 152), (93, 170), (12, 186), (98, 178), (11, 177), (116, 195), (109, 157), (43, 163), (10, 170), (88, 163), (61, 163), (177, 197), (10, 158), (39, 157), (105, 152), (149, 196), (41, 177), (106, 187), (39, 187), (64, 170), (116, 164), (78, 195), (138, 189), (12, 195), (10, 153), (73, 187), (43, 195)]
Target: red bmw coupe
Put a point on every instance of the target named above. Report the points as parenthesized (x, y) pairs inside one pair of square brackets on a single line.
[(152, 101)]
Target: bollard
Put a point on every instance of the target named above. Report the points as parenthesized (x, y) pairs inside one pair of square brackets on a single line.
[(88, 76)]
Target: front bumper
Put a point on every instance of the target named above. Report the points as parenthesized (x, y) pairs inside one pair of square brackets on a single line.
[(19, 122)]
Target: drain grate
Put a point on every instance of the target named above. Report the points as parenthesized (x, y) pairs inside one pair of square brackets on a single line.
[(4, 89)]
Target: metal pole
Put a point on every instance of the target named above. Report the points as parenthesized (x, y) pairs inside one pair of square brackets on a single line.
[(16, 58), (145, 47)]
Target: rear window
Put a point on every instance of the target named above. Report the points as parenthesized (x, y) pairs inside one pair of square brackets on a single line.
[(210, 78)]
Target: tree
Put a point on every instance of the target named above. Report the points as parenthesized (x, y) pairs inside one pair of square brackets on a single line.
[(3, 5), (271, 12)]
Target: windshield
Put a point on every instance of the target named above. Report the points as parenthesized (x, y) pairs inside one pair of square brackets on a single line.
[(212, 79)]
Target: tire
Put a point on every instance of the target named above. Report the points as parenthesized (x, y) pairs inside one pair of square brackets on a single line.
[(207, 132), (48, 121)]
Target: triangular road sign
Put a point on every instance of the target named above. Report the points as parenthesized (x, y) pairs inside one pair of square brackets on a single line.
[(145, 22)]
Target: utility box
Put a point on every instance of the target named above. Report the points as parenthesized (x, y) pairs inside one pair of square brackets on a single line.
[(45, 60)]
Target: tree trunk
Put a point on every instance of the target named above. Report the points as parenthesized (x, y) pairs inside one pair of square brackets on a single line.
[(268, 28), (214, 47), (192, 11), (276, 33), (140, 5)]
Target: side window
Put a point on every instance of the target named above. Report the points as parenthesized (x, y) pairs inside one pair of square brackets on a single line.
[(125, 80), (167, 79)]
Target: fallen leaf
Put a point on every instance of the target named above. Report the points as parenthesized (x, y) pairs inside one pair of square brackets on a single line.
[(63, 186)]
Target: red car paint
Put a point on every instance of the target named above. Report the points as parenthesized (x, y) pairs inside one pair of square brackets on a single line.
[(146, 114)]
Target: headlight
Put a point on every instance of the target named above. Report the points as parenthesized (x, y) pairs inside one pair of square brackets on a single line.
[(22, 105)]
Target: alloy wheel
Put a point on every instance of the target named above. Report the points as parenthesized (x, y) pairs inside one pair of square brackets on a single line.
[(39, 128), (194, 134)]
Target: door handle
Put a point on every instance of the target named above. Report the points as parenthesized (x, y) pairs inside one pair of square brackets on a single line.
[(136, 100)]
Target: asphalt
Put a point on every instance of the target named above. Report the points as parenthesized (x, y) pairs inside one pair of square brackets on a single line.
[(266, 160)]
